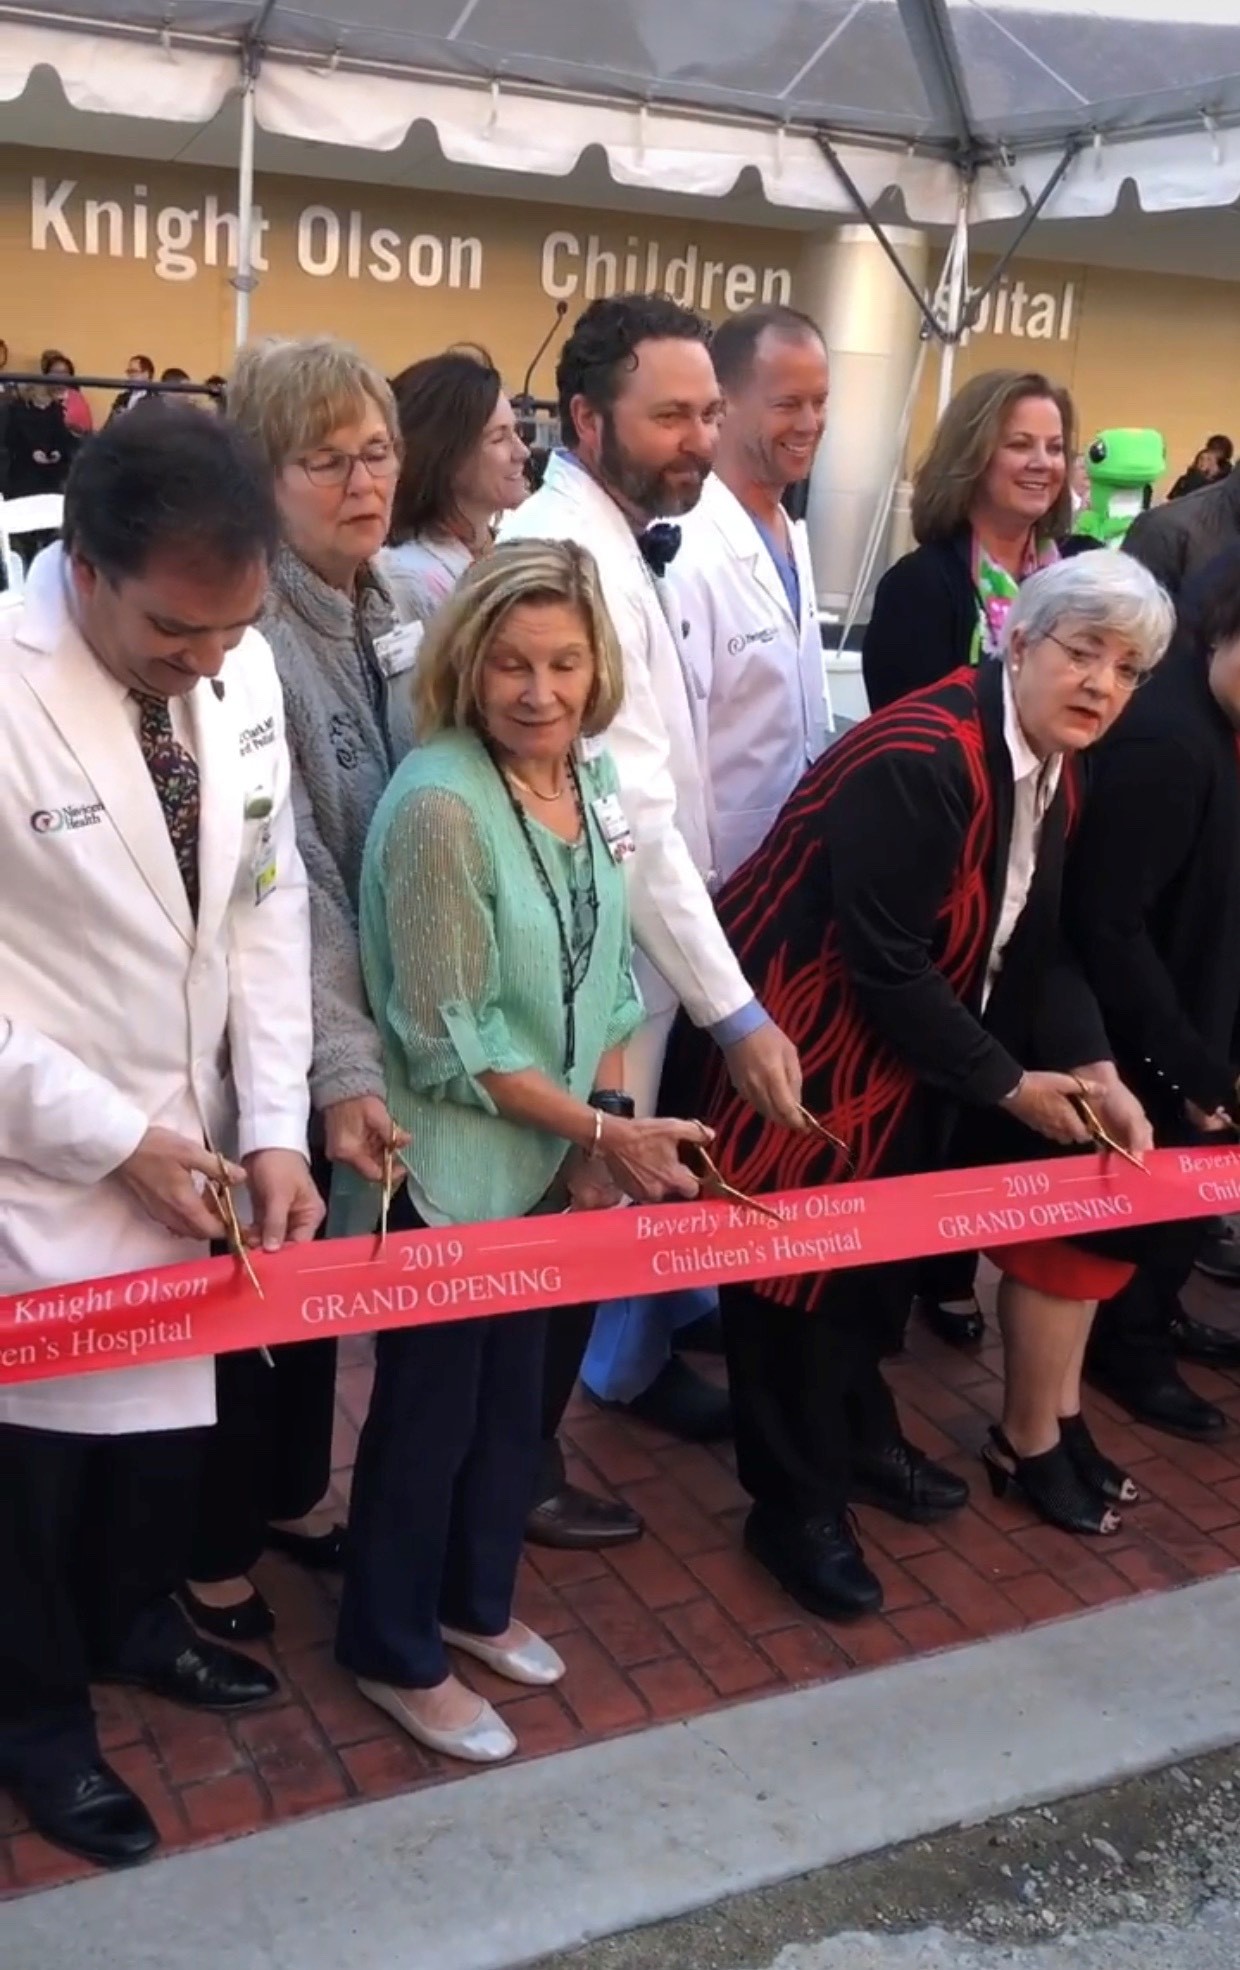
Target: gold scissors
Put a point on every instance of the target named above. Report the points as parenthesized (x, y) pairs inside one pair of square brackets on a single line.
[(1103, 1141), (821, 1130), (714, 1184), (389, 1191), (221, 1193)]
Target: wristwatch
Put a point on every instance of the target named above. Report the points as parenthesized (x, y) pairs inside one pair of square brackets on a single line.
[(614, 1101)]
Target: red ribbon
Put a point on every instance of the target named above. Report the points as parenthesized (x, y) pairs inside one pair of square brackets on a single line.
[(347, 1286)]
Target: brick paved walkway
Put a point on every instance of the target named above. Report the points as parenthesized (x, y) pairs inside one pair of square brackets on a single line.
[(681, 1622)]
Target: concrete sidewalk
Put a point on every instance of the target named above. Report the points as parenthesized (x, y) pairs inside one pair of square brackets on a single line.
[(493, 1873)]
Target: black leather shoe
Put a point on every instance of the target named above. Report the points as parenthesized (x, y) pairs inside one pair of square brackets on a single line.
[(244, 1621), (204, 1676), (1219, 1257), (959, 1330), (1165, 1404), (321, 1552), (902, 1480), (682, 1403), (1197, 1340), (818, 1562), (92, 1813), (579, 1520)]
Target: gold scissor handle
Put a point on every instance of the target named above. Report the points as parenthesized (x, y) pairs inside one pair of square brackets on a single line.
[(389, 1190), (714, 1184), (221, 1191), (1103, 1140), (821, 1130)]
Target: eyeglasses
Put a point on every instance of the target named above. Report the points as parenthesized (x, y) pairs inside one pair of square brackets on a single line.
[(1088, 663), (335, 468)]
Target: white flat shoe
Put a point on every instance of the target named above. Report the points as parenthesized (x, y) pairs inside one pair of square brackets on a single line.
[(533, 1661), (485, 1741)]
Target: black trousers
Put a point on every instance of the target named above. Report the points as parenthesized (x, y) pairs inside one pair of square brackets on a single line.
[(445, 1476), (947, 1276), (807, 1388), (568, 1337), (1131, 1338), (92, 1540)]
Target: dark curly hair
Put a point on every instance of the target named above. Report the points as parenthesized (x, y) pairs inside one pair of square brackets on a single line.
[(605, 341)]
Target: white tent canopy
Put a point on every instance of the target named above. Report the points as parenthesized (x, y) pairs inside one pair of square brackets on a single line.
[(911, 97)]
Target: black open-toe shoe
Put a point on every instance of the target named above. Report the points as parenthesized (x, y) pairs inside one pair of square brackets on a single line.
[(1099, 1473), (1050, 1484)]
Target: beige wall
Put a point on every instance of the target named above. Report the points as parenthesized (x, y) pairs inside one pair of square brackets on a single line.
[(1134, 349)]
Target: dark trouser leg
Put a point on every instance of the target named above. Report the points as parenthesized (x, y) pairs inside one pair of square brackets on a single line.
[(1131, 1338), (415, 1443), (947, 1276), (567, 1337), (795, 1377), (45, 1713), (132, 1548), (490, 1505), (297, 1405)]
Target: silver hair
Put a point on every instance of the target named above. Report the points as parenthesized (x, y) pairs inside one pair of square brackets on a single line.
[(1099, 590)]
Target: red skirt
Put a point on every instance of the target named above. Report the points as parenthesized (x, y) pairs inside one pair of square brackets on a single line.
[(1063, 1270)]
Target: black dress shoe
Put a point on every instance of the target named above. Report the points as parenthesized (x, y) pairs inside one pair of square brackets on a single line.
[(321, 1552), (902, 1480), (1197, 1340), (91, 1812), (204, 1676), (682, 1403), (579, 1520), (244, 1621), (1166, 1403), (817, 1561), (965, 1329)]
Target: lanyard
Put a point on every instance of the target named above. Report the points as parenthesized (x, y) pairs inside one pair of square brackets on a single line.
[(574, 964)]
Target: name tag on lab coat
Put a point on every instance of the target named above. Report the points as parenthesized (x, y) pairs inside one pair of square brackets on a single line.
[(614, 828), (397, 652), (263, 865)]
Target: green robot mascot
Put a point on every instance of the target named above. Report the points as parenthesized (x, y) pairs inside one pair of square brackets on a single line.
[(1123, 468)]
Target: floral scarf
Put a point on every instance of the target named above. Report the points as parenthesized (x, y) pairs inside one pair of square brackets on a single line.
[(996, 590)]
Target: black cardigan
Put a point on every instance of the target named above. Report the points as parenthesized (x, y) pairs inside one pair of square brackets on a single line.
[(923, 621), (1152, 898)]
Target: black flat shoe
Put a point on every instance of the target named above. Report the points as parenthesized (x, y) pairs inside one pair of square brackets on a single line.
[(204, 1676), (90, 1812), (1210, 1347), (1099, 1473), (321, 1552), (819, 1562), (959, 1330), (902, 1480), (1165, 1404), (249, 1620), (1051, 1485), (580, 1521), (682, 1403)]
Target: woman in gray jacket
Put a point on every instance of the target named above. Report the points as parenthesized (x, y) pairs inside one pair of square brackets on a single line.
[(325, 418)]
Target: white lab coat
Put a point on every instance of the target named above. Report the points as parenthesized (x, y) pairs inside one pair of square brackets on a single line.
[(116, 1012), (658, 742), (768, 711)]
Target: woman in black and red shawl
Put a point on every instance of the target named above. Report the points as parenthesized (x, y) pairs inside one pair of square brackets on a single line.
[(901, 922)]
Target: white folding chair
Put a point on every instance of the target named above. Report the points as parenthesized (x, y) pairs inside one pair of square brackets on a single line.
[(37, 513)]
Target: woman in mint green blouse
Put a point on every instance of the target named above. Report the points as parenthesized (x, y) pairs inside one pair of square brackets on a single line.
[(497, 955)]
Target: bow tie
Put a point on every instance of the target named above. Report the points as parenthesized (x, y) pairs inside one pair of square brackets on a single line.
[(659, 546)]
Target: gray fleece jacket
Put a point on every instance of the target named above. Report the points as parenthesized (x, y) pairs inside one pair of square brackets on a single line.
[(348, 726)]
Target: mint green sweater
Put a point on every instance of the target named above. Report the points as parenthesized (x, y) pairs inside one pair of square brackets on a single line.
[(463, 969)]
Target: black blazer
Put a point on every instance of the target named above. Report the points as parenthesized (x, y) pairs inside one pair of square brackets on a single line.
[(1152, 899), (923, 621)]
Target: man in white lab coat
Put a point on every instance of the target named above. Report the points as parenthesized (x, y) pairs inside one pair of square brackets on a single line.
[(154, 1018), (639, 410), (743, 578)]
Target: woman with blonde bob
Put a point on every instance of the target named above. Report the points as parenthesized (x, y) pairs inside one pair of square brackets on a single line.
[(497, 955), (991, 498)]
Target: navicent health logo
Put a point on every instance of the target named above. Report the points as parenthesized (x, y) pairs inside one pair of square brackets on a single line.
[(45, 821), (56, 820)]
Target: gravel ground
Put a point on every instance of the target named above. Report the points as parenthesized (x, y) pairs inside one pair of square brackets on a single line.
[(1145, 1877)]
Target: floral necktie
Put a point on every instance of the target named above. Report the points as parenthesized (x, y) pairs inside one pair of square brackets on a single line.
[(174, 773)]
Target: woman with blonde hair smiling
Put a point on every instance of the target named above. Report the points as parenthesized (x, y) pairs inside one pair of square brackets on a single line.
[(497, 955), (324, 418)]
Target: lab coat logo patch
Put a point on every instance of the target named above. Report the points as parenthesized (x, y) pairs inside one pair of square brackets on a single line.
[(55, 820)]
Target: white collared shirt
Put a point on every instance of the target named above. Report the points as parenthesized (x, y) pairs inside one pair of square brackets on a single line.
[(1034, 785)]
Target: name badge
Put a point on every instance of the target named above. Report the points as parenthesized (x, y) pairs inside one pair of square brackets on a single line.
[(591, 749), (263, 866), (397, 652), (613, 827)]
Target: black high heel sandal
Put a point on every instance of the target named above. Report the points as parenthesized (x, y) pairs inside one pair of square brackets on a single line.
[(1099, 1473), (1051, 1485)]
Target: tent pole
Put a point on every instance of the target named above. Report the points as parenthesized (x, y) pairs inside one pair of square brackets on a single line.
[(957, 297), (244, 281)]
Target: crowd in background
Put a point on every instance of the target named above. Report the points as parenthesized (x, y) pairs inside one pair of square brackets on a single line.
[(502, 850)]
